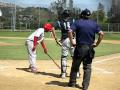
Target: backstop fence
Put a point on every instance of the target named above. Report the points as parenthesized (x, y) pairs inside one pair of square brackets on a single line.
[(111, 27), (23, 18)]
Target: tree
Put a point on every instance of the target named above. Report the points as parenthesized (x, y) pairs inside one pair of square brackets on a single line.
[(100, 13), (57, 7)]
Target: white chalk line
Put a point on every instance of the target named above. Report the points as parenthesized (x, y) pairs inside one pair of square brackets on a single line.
[(103, 60), (108, 59), (100, 70), (3, 67), (54, 69)]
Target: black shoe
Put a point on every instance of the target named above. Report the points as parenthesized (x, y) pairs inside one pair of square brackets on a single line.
[(84, 89), (73, 85)]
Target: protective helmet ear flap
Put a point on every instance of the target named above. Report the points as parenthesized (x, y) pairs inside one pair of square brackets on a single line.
[(48, 27)]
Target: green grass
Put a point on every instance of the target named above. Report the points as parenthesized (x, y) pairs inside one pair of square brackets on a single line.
[(15, 34), (23, 34), (107, 36), (13, 52), (107, 49), (19, 51), (112, 36)]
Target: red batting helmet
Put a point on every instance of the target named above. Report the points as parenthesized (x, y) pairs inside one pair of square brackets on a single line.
[(48, 27)]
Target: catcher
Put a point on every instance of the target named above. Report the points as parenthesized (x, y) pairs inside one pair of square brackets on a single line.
[(63, 24)]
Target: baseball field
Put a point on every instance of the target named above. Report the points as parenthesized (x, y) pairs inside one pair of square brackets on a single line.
[(13, 64)]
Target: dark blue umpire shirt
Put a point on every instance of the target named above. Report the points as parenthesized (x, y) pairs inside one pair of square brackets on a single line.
[(85, 31)]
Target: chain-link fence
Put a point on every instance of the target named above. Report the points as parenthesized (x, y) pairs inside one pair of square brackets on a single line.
[(7, 19), (111, 27), (23, 18), (27, 17)]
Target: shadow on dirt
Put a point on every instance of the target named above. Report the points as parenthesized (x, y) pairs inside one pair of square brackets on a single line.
[(48, 74), (58, 83), (23, 69), (63, 84), (42, 73)]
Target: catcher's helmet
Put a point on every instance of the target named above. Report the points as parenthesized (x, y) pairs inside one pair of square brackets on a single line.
[(66, 13), (47, 27), (85, 13)]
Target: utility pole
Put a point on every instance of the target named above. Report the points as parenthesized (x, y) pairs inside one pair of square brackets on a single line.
[(39, 16), (0, 13), (97, 15), (14, 18)]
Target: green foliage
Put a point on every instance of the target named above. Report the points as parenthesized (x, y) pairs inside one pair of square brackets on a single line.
[(99, 15), (94, 15), (29, 17)]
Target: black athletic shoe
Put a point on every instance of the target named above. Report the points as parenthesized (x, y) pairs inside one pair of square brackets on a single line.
[(74, 85), (71, 84)]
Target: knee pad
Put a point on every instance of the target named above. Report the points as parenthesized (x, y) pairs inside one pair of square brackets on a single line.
[(64, 61)]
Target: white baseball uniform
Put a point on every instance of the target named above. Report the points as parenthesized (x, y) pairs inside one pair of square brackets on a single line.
[(30, 43)]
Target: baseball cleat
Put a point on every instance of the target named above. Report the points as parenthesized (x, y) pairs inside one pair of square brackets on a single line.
[(32, 69), (63, 75)]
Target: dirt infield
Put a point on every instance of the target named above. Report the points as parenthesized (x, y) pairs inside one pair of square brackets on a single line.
[(13, 76)]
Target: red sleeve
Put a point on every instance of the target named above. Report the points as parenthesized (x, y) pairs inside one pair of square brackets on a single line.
[(35, 41)]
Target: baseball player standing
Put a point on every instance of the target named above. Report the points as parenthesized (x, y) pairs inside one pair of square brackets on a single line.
[(35, 38), (63, 24), (85, 29)]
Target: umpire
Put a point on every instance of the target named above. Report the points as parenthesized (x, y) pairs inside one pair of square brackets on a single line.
[(85, 30)]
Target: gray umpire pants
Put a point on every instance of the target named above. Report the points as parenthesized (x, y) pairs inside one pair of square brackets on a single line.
[(85, 54), (31, 54)]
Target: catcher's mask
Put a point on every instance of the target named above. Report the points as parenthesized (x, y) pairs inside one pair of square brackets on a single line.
[(66, 13)]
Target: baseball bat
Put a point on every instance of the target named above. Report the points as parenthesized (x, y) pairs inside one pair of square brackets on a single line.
[(54, 61)]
